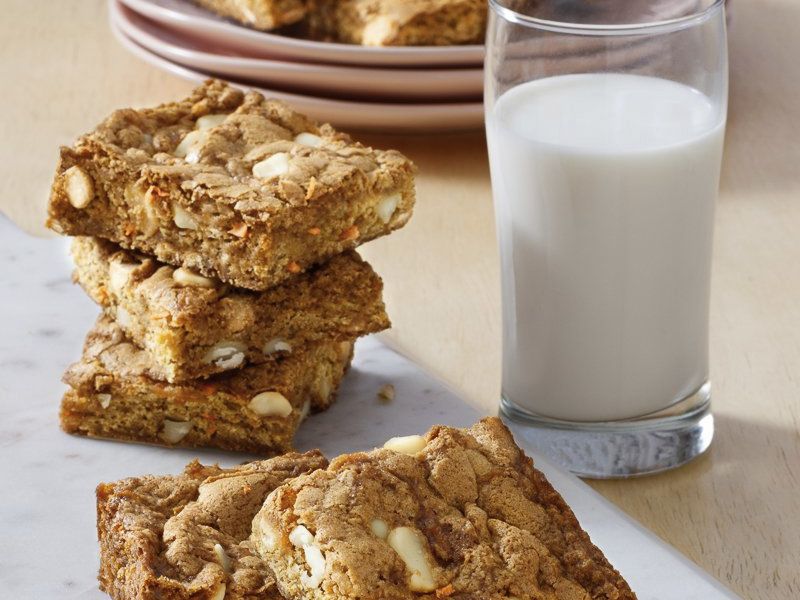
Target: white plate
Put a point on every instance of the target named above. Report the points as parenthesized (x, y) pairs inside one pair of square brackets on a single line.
[(202, 24), (47, 508), (384, 118), (326, 80)]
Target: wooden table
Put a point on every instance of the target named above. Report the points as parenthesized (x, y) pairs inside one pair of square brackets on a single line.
[(734, 511)]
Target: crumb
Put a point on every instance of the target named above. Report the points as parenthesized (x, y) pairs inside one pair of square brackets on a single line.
[(386, 393)]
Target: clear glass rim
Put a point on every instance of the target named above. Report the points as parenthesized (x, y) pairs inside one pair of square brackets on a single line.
[(654, 27)]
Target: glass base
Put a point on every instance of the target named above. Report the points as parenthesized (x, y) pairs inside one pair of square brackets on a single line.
[(616, 449)]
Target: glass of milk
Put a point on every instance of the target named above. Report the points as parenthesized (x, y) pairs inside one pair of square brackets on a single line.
[(605, 124)]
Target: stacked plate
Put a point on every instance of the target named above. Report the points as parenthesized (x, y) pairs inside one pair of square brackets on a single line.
[(387, 89), (395, 89)]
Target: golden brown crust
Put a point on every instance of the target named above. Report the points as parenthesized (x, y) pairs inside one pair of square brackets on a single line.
[(112, 396), (192, 331), (157, 534), (233, 185), (492, 526)]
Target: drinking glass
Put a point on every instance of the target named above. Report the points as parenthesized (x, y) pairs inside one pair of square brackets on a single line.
[(605, 123)]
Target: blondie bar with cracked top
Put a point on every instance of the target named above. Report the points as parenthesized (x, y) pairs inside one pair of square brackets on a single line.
[(193, 327), (186, 536), (113, 395), (230, 185), (458, 513)]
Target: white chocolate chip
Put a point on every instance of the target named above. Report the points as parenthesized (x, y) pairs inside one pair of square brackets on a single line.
[(182, 218), (308, 139), (186, 277), (78, 186), (277, 345), (386, 207), (316, 562), (118, 275), (225, 355), (150, 214), (379, 528), (300, 537), (219, 593), (190, 143), (270, 404), (193, 157), (223, 558), (412, 548), (324, 386), (378, 30), (274, 166), (209, 121), (104, 400), (123, 318), (408, 444), (174, 431), (305, 410)]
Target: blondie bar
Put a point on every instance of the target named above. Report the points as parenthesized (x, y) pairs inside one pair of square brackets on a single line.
[(399, 22), (193, 326), (259, 14), (454, 514), (255, 409), (186, 536), (231, 185)]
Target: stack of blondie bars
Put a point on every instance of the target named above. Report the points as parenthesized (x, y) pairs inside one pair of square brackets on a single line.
[(217, 235)]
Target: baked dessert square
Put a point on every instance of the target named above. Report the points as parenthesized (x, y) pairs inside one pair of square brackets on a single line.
[(399, 22), (259, 14), (455, 514), (193, 327), (231, 185), (255, 409), (186, 536)]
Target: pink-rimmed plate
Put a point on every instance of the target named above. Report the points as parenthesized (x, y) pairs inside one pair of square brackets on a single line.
[(367, 116)]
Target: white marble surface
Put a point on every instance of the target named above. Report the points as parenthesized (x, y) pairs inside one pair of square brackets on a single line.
[(47, 519)]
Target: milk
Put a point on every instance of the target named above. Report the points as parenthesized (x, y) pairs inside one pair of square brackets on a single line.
[(604, 187)]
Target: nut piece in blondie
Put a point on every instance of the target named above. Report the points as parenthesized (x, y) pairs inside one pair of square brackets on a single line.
[(259, 14), (399, 22), (186, 536), (193, 327), (229, 186), (255, 409), (454, 514)]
